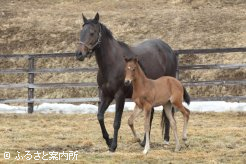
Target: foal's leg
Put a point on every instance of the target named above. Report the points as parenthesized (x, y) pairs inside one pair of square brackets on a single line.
[(147, 115), (168, 110), (186, 115), (131, 119), (151, 118), (167, 127)]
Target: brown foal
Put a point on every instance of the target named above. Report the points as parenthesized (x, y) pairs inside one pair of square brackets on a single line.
[(166, 91)]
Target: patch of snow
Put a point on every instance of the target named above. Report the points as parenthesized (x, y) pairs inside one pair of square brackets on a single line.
[(203, 106)]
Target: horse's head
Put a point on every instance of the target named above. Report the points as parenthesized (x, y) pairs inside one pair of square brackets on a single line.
[(90, 37), (130, 69)]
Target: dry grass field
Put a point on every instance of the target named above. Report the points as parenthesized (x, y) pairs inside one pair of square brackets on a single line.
[(213, 138)]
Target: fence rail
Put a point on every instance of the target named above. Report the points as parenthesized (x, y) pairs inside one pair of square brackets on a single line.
[(31, 71)]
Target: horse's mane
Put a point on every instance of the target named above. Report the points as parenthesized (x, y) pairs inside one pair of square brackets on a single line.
[(106, 31), (109, 34)]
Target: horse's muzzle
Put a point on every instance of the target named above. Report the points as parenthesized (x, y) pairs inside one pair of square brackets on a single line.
[(79, 56)]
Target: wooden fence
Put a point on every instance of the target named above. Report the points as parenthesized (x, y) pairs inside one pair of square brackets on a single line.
[(31, 71)]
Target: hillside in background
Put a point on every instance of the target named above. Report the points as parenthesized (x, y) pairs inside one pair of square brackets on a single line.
[(43, 26)]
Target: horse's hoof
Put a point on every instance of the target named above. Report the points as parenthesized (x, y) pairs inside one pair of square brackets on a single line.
[(109, 142), (166, 142), (111, 150)]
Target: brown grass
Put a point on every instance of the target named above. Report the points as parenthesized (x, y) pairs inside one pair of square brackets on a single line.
[(213, 138), (53, 26)]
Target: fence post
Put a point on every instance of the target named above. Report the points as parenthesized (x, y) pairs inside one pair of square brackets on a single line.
[(31, 67)]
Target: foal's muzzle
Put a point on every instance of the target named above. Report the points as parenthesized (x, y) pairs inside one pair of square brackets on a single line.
[(128, 82)]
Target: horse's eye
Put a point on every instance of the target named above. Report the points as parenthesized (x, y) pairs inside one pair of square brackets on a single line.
[(92, 33)]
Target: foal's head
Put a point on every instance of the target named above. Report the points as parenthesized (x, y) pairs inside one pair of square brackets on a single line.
[(130, 69), (90, 37)]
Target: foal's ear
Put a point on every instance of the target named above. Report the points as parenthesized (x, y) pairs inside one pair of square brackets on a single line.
[(135, 59), (126, 59), (96, 17), (84, 18)]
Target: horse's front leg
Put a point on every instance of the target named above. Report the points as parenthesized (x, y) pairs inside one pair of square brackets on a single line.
[(103, 105), (120, 101)]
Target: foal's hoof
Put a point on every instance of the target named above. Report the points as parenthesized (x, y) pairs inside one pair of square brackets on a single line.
[(136, 139), (186, 142), (145, 152), (177, 149), (142, 143)]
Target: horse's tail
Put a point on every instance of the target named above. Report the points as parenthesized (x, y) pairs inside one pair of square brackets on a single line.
[(186, 96)]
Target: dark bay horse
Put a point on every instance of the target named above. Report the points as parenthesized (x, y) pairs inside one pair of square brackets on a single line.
[(147, 93), (154, 55)]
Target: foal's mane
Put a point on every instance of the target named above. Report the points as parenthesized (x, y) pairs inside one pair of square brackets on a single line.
[(142, 68)]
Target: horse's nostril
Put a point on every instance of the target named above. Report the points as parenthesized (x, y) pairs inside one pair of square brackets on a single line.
[(79, 56)]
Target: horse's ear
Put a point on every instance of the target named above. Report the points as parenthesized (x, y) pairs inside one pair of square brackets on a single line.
[(96, 17), (84, 18)]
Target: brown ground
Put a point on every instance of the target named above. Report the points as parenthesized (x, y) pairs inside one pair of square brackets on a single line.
[(213, 138), (53, 26)]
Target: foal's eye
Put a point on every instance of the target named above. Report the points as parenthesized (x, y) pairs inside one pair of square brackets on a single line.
[(92, 33)]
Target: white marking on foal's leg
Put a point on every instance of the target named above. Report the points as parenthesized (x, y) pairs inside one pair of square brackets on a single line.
[(146, 148)]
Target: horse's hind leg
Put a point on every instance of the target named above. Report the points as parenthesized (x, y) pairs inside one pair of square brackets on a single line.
[(168, 110), (131, 119), (120, 102)]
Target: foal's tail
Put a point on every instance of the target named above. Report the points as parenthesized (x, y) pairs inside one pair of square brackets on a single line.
[(186, 96)]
